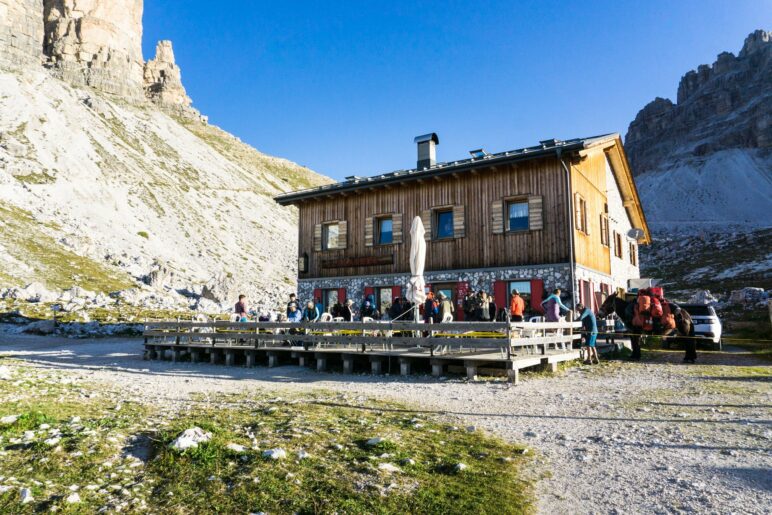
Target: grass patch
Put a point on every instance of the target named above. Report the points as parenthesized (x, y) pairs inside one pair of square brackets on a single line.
[(275, 171), (143, 234), (413, 470), (27, 240), (36, 178)]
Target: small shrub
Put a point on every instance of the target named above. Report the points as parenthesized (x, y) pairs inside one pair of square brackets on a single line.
[(144, 235)]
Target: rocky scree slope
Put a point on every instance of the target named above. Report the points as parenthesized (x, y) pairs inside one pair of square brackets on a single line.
[(103, 194), (705, 162), (110, 180)]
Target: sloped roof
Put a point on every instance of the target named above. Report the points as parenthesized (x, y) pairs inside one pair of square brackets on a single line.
[(611, 144), (545, 148)]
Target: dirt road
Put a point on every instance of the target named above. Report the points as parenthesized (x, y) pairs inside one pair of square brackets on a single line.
[(652, 437)]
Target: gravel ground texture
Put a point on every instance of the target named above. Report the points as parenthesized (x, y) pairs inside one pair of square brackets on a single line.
[(650, 437)]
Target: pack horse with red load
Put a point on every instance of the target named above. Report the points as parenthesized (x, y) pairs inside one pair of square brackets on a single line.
[(649, 313)]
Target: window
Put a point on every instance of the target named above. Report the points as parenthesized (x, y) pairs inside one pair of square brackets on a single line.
[(633, 257), (330, 233), (581, 214), (385, 231), (444, 223), (383, 299), (604, 230), (617, 244), (517, 212), (329, 299), (524, 287)]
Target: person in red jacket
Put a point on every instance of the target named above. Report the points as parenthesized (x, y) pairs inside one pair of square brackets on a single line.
[(516, 306)]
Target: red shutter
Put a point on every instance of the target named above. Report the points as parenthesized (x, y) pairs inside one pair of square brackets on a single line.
[(369, 290), (462, 288), (341, 295), (537, 294), (396, 292), (317, 294), (500, 294)]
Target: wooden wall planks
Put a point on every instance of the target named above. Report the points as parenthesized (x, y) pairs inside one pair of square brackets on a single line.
[(475, 191)]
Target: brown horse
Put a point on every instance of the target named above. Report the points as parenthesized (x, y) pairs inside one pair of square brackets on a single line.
[(623, 309)]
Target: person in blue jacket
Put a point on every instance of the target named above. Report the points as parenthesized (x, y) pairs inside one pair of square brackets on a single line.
[(553, 306), (311, 313), (589, 333)]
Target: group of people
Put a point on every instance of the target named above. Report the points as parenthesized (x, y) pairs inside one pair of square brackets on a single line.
[(478, 307)]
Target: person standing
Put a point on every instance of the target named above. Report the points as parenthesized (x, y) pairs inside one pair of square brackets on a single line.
[(469, 302), (482, 310), (553, 306), (431, 309), (589, 333), (346, 311), (493, 309), (241, 309), (292, 302), (446, 308), (516, 306), (395, 310)]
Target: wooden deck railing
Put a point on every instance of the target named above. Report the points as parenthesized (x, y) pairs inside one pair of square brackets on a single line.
[(449, 337)]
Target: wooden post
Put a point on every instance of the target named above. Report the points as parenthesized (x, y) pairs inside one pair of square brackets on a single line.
[(175, 355), (513, 374), (549, 366), (195, 355), (162, 353), (273, 360), (376, 365), (213, 356), (471, 370), (348, 364), (404, 366), (438, 368), (230, 358), (321, 361), (250, 359)]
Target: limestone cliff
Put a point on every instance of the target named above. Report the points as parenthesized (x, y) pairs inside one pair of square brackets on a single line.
[(706, 160), (96, 42), (163, 80), (21, 32)]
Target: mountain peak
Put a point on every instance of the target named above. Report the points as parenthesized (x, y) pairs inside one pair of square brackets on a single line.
[(757, 41)]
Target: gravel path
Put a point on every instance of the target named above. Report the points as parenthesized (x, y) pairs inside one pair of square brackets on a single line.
[(655, 437)]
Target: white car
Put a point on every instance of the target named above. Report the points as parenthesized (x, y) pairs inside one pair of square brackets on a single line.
[(706, 322)]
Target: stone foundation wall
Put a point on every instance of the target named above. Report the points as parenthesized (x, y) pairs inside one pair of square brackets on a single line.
[(557, 275), (21, 33)]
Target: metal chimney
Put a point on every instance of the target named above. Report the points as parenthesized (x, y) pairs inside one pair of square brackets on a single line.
[(427, 150)]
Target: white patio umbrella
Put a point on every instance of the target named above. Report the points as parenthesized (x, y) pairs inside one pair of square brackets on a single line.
[(415, 287)]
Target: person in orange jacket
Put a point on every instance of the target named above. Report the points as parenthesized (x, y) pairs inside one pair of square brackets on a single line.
[(516, 306)]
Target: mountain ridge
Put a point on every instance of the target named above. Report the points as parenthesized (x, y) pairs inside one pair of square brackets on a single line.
[(712, 147)]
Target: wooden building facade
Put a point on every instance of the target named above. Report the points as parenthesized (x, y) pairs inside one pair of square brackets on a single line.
[(529, 219)]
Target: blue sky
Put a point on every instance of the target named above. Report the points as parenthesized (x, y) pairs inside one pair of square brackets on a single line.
[(343, 87)]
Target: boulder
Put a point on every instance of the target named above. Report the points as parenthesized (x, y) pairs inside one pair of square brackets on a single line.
[(190, 439), (33, 292), (158, 277), (275, 454), (702, 297), (221, 289), (41, 327), (747, 295)]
